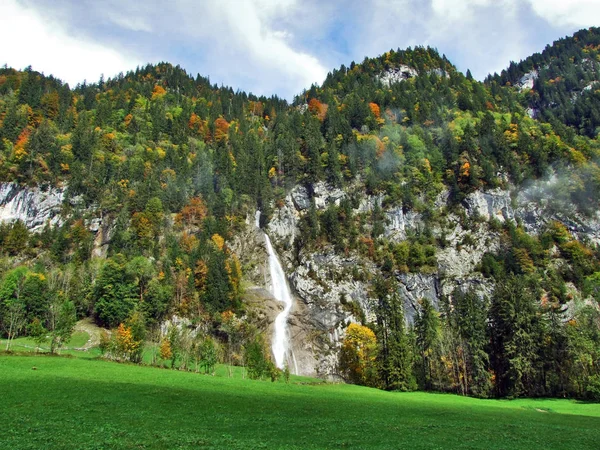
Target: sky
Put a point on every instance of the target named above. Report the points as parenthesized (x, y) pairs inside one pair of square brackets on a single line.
[(275, 46)]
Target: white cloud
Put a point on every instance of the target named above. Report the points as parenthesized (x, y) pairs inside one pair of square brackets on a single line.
[(129, 23), (482, 35), (249, 41), (252, 22), (274, 46), (456, 10), (30, 39), (563, 13)]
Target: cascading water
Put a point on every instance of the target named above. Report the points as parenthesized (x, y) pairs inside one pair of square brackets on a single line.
[(281, 291)]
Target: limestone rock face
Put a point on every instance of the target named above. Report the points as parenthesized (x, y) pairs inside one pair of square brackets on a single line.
[(300, 198), (527, 81), (395, 75), (400, 222), (333, 289), (414, 287), (35, 207), (283, 226), (495, 203), (325, 194)]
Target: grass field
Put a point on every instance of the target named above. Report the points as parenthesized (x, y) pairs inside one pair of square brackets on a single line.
[(73, 347), (93, 404)]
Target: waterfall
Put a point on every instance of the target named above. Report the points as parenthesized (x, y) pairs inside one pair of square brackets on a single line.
[(281, 292)]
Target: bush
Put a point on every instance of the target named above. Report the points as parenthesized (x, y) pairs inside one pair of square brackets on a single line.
[(593, 388), (257, 363)]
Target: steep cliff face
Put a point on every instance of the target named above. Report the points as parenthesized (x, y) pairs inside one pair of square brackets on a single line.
[(35, 207), (334, 289)]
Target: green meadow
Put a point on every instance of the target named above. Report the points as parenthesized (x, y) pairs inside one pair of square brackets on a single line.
[(67, 402)]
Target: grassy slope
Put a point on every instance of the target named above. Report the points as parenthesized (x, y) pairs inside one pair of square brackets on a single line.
[(75, 403), (73, 347)]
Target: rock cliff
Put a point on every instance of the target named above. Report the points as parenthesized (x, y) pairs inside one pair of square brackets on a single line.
[(35, 207), (334, 289)]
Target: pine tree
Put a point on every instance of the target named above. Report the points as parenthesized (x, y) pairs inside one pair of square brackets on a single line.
[(427, 329), (468, 316), (515, 331), (395, 356)]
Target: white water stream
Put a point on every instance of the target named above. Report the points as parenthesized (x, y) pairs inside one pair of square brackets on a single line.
[(281, 291)]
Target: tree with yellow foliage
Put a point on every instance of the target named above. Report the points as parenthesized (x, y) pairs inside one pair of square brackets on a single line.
[(124, 342), (358, 354), (165, 349)]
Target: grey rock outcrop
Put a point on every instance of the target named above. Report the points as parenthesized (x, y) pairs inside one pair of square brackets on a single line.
[(415, 286), (495, 203), (283, 226), (35, 207), (528, 80), (325, 194), (334, 289), (395, 75), (399, 223)]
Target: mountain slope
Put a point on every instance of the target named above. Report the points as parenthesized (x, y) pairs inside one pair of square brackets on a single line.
[(401, 195), (563, 82)]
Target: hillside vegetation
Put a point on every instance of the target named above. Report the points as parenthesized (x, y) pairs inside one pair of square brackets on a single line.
[(161, 171)]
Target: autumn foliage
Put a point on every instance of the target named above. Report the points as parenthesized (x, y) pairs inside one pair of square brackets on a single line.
[(158, 92), (192, 214), (125, 344), (358, 353), (221, 129), (21, 144), (165, 349), (317, 108), (374, 107)]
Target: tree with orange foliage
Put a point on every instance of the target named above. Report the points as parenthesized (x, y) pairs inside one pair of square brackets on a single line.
[(192, 214), (465, 170), (20, 152), (158, 92), (374, 107), (125, 344), (221, 129), (317, 108)]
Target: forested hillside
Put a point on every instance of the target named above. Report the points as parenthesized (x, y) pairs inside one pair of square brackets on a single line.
[(563, 82), (158, 173)]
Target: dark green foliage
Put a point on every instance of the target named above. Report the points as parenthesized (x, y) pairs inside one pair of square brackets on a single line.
[(61, 323), (516, 335), (15, 237), (258, 364), (208, 355), (469, 317), (173, 166), (218, 294), (561, 91), (114, 294), (35, 295), (427, 333), (395, 356), (156, 302)]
